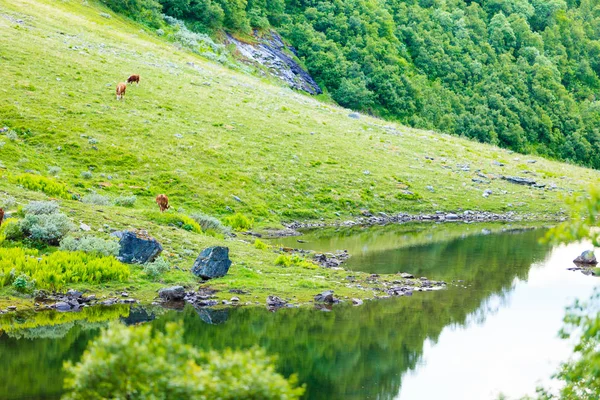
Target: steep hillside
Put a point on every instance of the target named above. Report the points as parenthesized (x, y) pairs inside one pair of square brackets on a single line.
[(216, 141)]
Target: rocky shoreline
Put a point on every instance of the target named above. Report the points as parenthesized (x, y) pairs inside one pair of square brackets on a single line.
[(369, 219)]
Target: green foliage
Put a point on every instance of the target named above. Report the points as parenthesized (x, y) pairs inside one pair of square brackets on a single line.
[(90, 244), (260, 245), (87, 174), (58, 269), (46, 228), (167, 368), (145, 11), (42, 184), (11, 230), (239, 222), (125, 201), (23, 285), (285, 260), (584, 222), (156, 268), (174, 219), (96, 199)]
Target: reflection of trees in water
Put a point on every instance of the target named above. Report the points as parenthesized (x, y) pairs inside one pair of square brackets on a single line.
[(351, 353)]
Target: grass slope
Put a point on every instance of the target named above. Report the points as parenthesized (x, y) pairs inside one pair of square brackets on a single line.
[(203, 134)]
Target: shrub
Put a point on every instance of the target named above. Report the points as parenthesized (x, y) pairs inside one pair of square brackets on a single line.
[(47, 228), (12, 135), (174, 219), (285, 260), (53, 170), (7, 202), (239, 222), (125, 201), (86, 175), (167, 368), (156, 268), (90, 244), (208, 223), (144, 11), (97, 199), (11, 230), (54, 271), (23, 285), (260, 245), (42, 184), (41, 207)]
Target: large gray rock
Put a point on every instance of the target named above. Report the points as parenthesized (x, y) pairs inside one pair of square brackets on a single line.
[(137, 247), (213, 262), (173, 293), (326, 297), (587, 257), (519, 181)]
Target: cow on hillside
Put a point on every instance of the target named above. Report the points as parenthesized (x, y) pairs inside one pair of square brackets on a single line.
[(121, 88), (163, 202), (134, 78)]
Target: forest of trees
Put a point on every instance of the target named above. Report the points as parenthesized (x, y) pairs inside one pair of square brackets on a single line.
[(522, 74)]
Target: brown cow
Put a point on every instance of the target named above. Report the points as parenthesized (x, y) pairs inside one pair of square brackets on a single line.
[(134, 78), (1, 216), (121, 87), (163, 202)]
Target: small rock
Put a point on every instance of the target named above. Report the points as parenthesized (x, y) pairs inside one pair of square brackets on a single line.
[(354, 115), (62, 306), (326, 297), (124, 294), (234, 299), (587, 257), (405, 275), (236, 198), (173, 293), (275, 302), (11, 308), (430, 188), (84, 227), (357, 302), (74, 293), (451, 217)]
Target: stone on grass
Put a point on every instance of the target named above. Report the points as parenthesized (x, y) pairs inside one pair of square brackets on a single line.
[(137, 247), (213, 262), (326, 297)]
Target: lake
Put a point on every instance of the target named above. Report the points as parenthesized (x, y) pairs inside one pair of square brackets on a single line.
[(493, 330)]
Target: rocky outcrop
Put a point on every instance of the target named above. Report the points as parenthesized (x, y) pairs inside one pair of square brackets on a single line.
[(519, 181), (587, 257), (137, 247), (213, 262), (270, 53), (331, 260), (326, 297)]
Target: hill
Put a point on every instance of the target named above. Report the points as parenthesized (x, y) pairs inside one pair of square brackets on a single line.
[(222, 143)]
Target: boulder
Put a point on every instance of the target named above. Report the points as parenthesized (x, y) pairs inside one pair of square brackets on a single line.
[(213, 262), (137, 247), (173, 293), (587, 257), (326, 297), (519, 181), (275, 302), (62, 306)]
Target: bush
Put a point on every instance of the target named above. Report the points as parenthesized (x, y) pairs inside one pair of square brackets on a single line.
[(7, 202), (53, 170), (47, 228), (11, 230), (86, 175), (54, 271), (156, 268), (208, 223), (260, 245), (167, 368), (125, 201), (144, 11), (174, 219), (239, 222), (23, 285), (285, 260), (90, 244), (41, 207), (97, 199), (42, 184)]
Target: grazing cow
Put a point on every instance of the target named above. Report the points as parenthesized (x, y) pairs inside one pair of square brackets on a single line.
[(1, 216), (134, 78), (121, 87), (163, 202)]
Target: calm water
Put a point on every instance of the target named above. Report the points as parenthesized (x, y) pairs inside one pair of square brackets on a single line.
[(496, 334)]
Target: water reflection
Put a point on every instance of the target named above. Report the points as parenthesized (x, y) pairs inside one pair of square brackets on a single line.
[(443, 344)]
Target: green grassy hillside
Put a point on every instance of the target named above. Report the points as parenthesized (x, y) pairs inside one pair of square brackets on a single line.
[(207, 136)]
